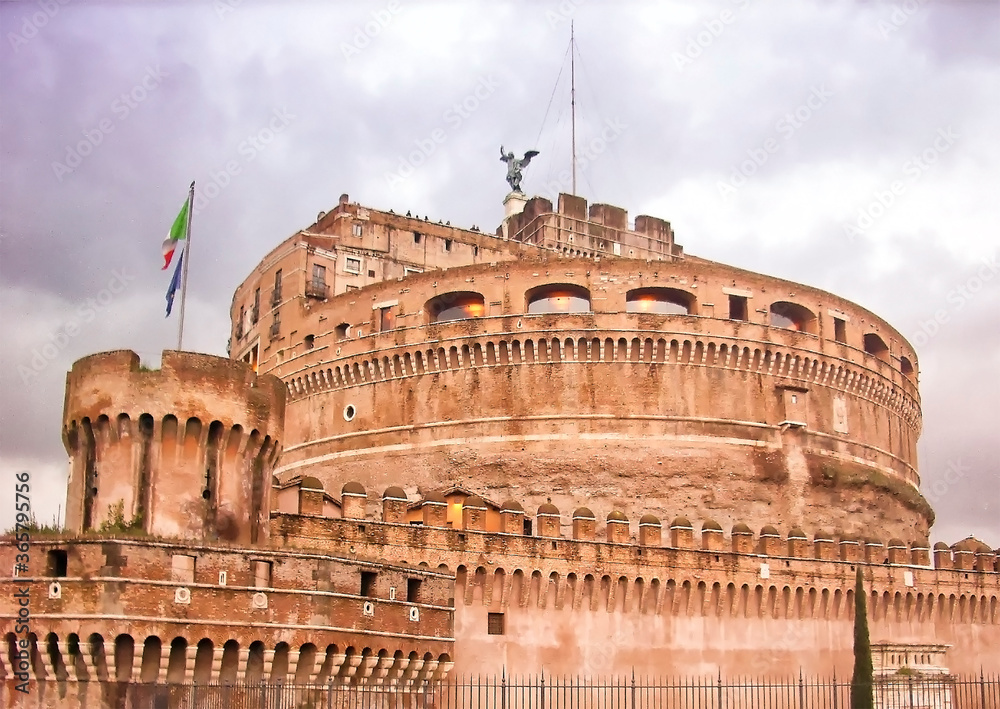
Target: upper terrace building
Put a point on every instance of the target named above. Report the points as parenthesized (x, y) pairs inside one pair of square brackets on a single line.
[(576, 349)]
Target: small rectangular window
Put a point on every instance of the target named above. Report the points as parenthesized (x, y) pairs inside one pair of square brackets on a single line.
[(413, 590), (368, 583), (352, 265), (527, 527), (495, 624), (447, 244), (416, 237), (56, 563), (262, 574), (357, 229), (387, 319), (371, 273), (350, 288), (182, 568), (839, 330), (407, 270), (319, 274), (737, 307)]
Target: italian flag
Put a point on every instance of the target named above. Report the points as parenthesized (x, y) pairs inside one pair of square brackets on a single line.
[(177, 232)]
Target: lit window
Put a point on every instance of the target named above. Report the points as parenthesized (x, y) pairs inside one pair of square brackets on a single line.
[(352, 265), (558, 299), (661, 301), (387, 319), (456, 306), (792, 316)]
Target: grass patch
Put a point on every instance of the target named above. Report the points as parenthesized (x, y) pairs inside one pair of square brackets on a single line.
[(839, 475)]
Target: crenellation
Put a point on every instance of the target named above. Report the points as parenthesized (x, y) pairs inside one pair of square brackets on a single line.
[(618, 528), (711, 536)]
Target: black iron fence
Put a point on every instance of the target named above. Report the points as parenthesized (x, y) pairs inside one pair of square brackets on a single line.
[(546, 692)]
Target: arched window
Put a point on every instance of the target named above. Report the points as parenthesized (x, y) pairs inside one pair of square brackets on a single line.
[(457, 305), (906, 366), (792, 316), (875, 345), (661, 301), (558, 298), (343, 331)]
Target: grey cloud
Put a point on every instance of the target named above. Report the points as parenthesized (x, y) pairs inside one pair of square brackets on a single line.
[(355, 117)]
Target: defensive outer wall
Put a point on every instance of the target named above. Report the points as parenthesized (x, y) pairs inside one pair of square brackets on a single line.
[(680, 385), (662, 597)]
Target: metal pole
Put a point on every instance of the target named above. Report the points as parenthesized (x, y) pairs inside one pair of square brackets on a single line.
[(572, 95), (186, 255)]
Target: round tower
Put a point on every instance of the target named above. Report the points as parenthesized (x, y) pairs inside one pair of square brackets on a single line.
[(186, 451)]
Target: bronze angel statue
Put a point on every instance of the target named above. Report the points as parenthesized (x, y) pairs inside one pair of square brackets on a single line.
[(514, 167)]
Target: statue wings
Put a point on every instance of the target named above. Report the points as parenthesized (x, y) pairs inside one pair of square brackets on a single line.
[(527, 157)]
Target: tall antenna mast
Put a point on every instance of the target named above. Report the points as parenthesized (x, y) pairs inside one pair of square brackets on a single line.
[(572, 95)]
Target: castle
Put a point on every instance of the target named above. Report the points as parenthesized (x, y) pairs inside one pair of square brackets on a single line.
[(567, 446)]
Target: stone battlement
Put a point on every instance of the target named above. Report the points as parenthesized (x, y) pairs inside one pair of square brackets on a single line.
[(510, 519)]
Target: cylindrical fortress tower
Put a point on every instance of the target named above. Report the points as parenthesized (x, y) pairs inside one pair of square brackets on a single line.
[(677, 385), (186, 451)]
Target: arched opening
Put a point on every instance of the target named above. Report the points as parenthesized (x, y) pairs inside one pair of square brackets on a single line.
[(342, 331), (557, 298), (906, 366), (792, 316), (660, 301), (875, 345), (457, 305)]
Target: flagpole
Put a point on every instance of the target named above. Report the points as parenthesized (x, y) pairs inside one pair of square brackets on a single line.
[(187, 262)]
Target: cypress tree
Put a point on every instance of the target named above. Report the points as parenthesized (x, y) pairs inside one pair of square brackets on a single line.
[(861, 680)]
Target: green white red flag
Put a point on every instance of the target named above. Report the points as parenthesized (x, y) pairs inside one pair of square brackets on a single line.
[(177, 232)]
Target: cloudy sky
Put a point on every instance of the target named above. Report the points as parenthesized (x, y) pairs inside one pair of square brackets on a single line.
[(852, 146)]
